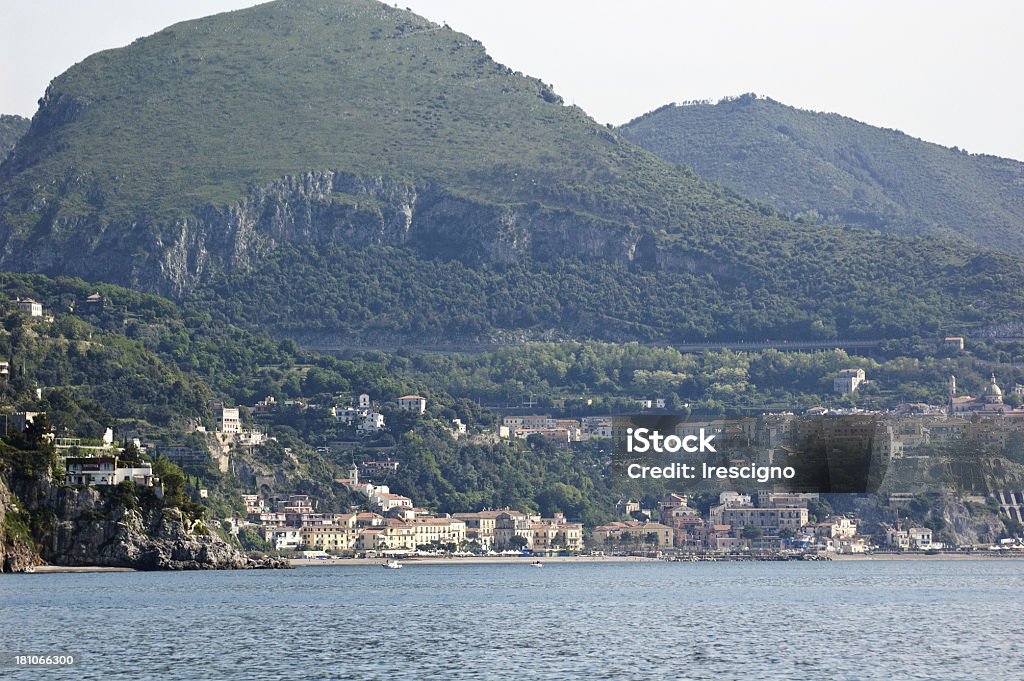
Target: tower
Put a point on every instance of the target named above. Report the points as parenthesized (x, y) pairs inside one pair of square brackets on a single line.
[(353, 474)]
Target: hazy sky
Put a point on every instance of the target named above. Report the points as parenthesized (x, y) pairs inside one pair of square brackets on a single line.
[(945, 71)]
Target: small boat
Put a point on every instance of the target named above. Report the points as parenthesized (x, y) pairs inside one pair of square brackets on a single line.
[(392, 565), (536, 563)]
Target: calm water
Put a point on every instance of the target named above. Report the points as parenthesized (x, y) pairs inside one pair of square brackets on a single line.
[(849, 620)]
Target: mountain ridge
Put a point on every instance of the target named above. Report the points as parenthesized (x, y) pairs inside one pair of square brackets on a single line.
[(281, 148), (831, 168)]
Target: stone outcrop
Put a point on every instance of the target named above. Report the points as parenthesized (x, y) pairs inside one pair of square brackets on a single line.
[(17, 552), (91, 531), (954, 520), (90, 527), (320, 208)]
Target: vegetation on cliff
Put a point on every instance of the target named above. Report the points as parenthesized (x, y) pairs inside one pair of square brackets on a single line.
[(11, 130), (881, 290)]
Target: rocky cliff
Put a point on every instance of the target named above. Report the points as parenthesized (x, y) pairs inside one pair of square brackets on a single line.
[(321, 208), (11, 128), (17, 551), (953, 520), (92, 530), (47, 523)]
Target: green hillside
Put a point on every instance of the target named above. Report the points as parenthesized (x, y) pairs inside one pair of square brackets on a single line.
[(140, 362), (197, 113), (824, 287), (830, 168), (11, 129), (349, 170)]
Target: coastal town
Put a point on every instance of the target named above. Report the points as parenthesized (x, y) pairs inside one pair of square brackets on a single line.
[(759, 524), (374, 520)]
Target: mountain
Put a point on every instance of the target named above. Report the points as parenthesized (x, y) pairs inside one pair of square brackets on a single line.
[(11, 129), (302, 121), (830, 168), (339, 170)]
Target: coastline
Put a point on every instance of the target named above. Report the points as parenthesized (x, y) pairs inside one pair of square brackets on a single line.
[(514, 560), (472, 560), (50, 569), (990, 555), (527, 560)]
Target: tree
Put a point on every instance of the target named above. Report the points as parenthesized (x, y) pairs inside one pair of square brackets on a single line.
[(561, 498), (518, 542), (752, 532), (131, 453), (36, 432)]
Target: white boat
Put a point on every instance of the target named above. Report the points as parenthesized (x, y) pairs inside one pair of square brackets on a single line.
[(392, 565), (536, 563)]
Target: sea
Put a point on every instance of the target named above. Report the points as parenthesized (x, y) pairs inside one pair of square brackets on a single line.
[(883, 619)]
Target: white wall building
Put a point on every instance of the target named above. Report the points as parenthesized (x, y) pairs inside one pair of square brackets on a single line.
[(283, 538), (29, 307), (385, 501), (848, 381), (228, 420), (105, 470), (371, 423)]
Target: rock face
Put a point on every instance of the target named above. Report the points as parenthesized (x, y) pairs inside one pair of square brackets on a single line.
[(17, 554), (964, 525), (87, 527), (952, 519), (321, 208), (91, 532)]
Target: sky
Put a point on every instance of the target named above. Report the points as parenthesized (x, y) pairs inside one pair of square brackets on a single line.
[(940, 70)]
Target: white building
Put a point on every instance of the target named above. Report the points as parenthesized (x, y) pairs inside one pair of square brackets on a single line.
[(29, 307), (283, 538), (366, 419), (848, 381), (413, 403), (458, 427), (915, 538), (385, 501), (105, 470), (529, 422), (349, 415), (371, 422), (228, 420)]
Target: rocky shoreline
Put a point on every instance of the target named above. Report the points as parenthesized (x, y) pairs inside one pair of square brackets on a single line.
[(48, 525)]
